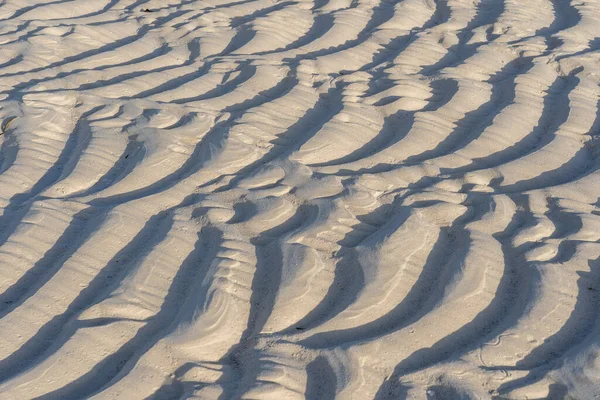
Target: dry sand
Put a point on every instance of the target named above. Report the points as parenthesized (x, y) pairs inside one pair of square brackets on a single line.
[(258, 199)]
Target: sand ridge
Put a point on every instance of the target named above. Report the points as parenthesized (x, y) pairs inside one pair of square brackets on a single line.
[(289, 199)]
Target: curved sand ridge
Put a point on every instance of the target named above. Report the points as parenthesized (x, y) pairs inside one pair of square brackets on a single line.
[(293, 199)]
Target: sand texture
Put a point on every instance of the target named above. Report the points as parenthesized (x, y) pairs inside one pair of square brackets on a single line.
[(299, 199)]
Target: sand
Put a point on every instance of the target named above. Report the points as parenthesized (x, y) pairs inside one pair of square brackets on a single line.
[(294, 199)]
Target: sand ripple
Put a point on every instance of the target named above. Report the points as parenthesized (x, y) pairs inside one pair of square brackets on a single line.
[(291, 199)]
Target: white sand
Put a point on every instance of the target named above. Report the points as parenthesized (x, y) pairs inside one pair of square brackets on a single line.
[(260, 199)]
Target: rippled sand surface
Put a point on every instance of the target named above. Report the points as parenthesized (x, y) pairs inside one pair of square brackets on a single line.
[(328, 199)]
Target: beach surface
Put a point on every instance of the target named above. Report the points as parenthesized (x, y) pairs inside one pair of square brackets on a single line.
[(296, 199)]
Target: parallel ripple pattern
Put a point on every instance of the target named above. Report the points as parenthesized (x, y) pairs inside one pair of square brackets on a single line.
[(290, 199)]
